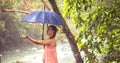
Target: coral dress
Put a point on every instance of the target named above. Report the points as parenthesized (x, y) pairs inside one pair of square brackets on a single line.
[(50, 54)]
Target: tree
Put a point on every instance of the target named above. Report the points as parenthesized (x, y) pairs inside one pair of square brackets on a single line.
[(99, 24)]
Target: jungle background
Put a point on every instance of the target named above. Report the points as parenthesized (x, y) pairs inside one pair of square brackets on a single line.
[(96, 24)]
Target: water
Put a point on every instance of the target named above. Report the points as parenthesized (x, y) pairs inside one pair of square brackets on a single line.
[(34, 55)]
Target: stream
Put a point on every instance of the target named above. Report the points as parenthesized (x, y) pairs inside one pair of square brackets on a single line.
[(34, 55)]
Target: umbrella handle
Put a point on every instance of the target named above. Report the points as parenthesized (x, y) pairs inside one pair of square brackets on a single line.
[(43, 31)]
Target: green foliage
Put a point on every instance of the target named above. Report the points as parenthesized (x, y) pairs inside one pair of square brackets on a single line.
[(98, 22), (7, 4)]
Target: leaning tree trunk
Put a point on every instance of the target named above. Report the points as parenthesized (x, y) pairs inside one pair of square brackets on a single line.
[(66, 30)]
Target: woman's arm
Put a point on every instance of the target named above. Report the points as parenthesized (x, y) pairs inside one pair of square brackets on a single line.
[(41, 42)]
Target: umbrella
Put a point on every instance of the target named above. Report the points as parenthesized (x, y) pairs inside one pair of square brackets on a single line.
[(45, 17)]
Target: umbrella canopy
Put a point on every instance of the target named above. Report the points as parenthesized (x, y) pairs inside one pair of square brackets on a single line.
[(43, 16)]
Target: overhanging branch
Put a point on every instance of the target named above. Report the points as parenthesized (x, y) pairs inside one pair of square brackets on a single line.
[(27, 5), (13, 10), (45, 4)]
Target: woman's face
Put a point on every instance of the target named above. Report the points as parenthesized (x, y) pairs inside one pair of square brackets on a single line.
[(49, 31)]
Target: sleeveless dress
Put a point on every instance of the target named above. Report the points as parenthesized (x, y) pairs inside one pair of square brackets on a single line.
[(50, 54)]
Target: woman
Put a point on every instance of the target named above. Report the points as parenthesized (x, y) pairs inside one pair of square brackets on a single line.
[(50, 55)]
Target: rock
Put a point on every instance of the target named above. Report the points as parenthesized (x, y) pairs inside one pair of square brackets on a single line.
[(20, 62)]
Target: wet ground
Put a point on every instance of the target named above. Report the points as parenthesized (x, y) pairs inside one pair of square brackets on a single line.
[(34, 55)]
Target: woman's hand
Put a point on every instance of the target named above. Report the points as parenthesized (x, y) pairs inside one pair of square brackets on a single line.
[(24, 36)]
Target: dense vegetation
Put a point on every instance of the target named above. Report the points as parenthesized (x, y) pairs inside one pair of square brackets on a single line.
[(98, 22)]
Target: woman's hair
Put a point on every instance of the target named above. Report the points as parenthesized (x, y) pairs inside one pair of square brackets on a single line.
[(54, 28)]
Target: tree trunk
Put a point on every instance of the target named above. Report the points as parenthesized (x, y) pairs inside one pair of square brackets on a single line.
[(68, 34)]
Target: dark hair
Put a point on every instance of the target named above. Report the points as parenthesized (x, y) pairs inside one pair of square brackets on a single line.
[(54, 28)]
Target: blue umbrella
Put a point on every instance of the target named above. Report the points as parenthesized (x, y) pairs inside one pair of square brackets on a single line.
[(45, 17)]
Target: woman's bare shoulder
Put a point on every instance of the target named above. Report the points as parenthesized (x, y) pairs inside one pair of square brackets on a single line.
[(53, 42)]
